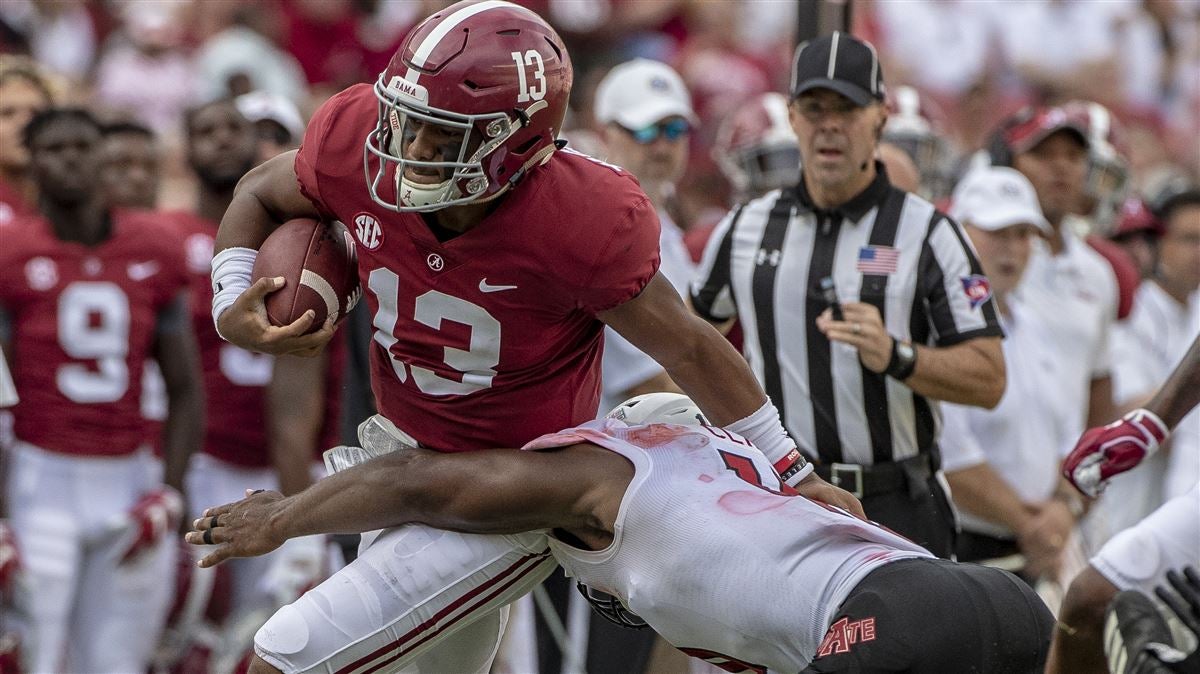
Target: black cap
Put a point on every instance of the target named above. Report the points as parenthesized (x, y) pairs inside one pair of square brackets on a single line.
[(839, 62)]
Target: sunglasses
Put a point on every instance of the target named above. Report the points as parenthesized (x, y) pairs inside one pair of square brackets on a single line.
[(671, 130)]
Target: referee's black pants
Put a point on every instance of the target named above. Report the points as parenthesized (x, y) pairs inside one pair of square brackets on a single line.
[(920, 513)]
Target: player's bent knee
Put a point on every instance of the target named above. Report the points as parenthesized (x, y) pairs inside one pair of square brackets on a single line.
[(260, 666), (1086, 600)]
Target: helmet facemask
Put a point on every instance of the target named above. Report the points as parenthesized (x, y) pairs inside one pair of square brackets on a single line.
[(464, 142)]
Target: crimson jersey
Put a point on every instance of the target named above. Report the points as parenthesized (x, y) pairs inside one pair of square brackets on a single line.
[(235, 380), (490, 338), (83, 323)]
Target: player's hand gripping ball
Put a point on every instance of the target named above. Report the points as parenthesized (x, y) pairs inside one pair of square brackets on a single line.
[(318, 262)]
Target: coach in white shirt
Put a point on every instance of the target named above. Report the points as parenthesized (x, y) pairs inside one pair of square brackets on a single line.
[(1001, 463), (647, 119)]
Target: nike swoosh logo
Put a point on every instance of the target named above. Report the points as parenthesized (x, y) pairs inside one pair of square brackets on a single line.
[(140, 271), (484, 287)]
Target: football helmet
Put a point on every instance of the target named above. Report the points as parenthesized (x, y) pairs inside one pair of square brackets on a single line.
[(756, 148), (914, 126), (1108, 172), (483, 86), (659, 408)]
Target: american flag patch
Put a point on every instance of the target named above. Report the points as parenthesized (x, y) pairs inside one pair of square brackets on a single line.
[(878, 260)]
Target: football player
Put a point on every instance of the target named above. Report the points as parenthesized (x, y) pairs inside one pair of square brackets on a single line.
[(268, 418), (491, 261), (1139, 557), (86, 295), (691, 531), (756, 148)]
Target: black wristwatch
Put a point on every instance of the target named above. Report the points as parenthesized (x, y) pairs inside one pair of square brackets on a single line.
[(903, 362)]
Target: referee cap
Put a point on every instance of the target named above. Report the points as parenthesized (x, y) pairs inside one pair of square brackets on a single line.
[(995, 197), (839, 62)]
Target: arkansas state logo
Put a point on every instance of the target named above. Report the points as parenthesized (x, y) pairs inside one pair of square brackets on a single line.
[(977, 289), (845, 633)]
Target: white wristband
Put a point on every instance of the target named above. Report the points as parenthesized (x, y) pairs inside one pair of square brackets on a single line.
[(766, 431), (231, 270)]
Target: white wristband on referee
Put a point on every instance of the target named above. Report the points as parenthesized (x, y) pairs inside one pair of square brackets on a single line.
[(765, 430), (231, 270)]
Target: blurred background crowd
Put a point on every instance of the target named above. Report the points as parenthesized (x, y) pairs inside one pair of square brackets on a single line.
[(972, 62), (1122, 75)]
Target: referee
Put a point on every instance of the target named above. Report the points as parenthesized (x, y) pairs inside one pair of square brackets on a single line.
[(862, 304)]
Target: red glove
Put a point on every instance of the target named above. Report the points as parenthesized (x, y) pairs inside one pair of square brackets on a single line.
[(1107, 451), (155, 515), (10, 559)]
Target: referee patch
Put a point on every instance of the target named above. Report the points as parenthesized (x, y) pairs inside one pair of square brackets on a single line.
[(977, 289)]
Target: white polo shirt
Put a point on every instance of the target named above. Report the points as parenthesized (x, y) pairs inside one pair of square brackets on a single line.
[(1074, 294), (1019, 437), (623, 365)]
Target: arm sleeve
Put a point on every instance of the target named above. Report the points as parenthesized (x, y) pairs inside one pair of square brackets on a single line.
[(625, 262), (711, 293), (952, 285)]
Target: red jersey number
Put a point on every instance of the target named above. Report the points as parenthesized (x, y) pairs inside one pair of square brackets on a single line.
[(93, 325), (476, 364)]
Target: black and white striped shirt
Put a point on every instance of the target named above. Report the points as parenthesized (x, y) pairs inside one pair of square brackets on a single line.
[(764, 264)]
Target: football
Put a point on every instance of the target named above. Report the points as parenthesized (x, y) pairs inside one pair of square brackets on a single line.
[(318, 261)]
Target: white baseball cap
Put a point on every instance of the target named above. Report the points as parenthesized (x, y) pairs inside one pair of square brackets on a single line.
[(996, 197), (259, 105), (641, 92)]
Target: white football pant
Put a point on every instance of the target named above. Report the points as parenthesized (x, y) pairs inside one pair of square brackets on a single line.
[(84, 611)]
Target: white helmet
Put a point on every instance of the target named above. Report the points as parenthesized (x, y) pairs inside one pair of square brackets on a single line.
[(659, 408)]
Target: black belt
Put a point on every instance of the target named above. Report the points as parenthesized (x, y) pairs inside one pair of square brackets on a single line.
[(910, 474)]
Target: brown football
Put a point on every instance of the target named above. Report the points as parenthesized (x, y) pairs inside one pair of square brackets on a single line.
[(317, 260)]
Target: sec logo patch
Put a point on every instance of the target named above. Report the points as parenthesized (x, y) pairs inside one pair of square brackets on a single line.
[(368, 231)]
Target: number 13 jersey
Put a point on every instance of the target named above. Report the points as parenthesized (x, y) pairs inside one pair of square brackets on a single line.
[(83, 323), (490, 338)]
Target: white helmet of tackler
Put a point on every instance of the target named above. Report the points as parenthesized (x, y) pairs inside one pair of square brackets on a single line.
[(659, 408)]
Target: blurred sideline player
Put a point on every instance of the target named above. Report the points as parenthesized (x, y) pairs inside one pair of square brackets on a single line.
[(1105, 189), (1138, 557), (130, 173), (268, 418), (914, 127), (87, 293), (1137, 231), (692, 532), (1068, 285), (1002, 470), (491, 262), (757, 152), (1146, 348), (23, 93)]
